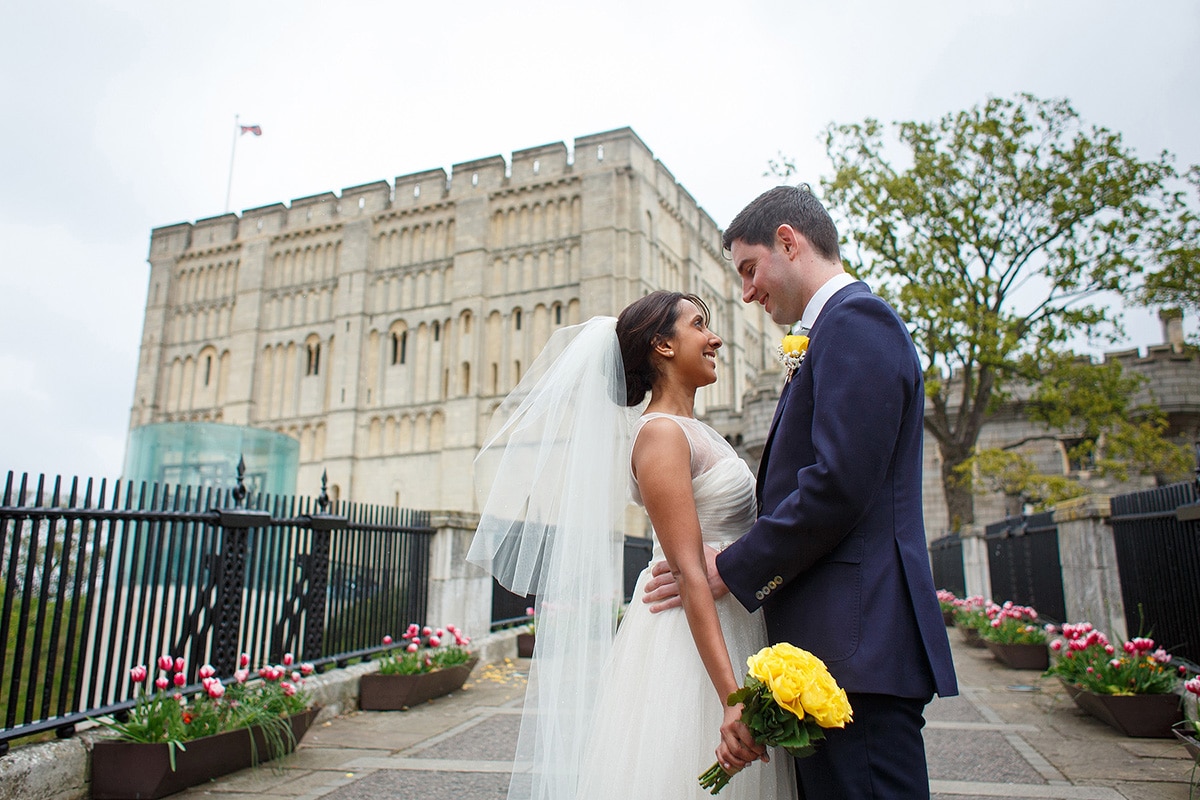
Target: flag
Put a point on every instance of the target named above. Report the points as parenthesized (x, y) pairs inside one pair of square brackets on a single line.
[(255, 129)]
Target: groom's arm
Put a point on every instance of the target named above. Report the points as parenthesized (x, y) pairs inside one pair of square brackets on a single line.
[(863, 379)]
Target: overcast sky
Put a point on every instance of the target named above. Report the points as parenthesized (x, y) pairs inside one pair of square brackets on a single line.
[(118, 118)]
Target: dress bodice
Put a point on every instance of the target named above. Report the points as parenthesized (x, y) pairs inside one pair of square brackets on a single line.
[(721, 483)]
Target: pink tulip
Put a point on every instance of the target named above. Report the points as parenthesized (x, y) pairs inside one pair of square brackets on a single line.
[(413, 630), (138, 673), (1193, 686), (412, 647), (439, 633), (387, 640), (241, 675), (1056, 645), (288, 658), (288, 689), (165, 663), (180, 665), (207, 671), (307, 669), (426, 630), (216, 689), (434, 641), (244, 660), (296, 675), (180, 679), (161, 682), (529, 611)]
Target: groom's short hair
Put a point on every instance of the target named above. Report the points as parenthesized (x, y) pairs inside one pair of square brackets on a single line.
[(792, 205)]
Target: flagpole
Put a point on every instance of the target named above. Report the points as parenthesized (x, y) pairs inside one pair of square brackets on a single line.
[(232, 153)]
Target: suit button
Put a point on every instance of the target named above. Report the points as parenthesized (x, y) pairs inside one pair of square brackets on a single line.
[(759, 595)]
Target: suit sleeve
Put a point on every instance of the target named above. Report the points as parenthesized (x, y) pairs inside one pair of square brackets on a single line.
[(864, 376)]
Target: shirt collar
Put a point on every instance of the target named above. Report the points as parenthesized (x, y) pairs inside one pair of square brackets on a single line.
[(827, 290)]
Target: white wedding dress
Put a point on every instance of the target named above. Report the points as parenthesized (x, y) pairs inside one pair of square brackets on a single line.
[(657, 718)]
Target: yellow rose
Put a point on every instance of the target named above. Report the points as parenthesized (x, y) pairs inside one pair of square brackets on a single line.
[(794, 345), (800, 683)]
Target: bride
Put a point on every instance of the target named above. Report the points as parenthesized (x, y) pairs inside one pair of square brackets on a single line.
[(636, 715)]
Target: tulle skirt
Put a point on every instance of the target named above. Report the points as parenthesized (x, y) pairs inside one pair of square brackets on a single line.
[(658, 719)]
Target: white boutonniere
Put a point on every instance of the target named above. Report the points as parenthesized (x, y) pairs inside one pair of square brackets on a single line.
[(792, 350)]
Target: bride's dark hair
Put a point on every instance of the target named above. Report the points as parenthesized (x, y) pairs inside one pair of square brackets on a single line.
[(640, 326)]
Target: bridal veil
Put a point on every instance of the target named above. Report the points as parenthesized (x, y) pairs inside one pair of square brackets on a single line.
[(552, 485)]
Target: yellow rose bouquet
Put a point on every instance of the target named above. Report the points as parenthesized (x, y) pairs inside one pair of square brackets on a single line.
[(788, 699)]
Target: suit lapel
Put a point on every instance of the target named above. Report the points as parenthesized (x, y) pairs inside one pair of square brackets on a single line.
[(766, 454), (838, 296)]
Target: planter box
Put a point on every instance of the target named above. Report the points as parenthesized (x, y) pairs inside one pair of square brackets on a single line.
[(1072, 691), (1190, 742), (971, 636), (1021, 656), (525, 643), (140, 771), (1148, 716), (395, 692), (948, 618)]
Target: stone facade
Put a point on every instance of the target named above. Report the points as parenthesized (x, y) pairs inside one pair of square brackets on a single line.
[(381, 327)]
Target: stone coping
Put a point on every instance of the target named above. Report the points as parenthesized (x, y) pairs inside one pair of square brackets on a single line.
[(61, 769)]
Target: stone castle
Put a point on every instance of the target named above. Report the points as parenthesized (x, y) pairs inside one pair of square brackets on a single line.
[(382, 326)]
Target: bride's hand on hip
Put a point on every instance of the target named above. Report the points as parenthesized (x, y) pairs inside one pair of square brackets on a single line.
[(662, 592)]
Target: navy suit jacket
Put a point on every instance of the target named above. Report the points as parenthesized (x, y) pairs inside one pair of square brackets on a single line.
[(837, 559)]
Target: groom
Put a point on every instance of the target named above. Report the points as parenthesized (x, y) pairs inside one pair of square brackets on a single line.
[(837, 559)]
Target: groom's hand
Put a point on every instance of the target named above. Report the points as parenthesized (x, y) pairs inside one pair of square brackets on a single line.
[(662, 592)]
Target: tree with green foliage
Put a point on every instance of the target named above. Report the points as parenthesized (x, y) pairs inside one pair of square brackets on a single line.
[(996, 232), (1176, 281), (1091, 403)]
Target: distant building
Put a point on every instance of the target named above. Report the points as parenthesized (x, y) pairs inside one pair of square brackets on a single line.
[(1172, 373), (381, 327)]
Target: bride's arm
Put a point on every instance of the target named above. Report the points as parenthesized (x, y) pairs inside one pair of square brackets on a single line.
[(662, 468)]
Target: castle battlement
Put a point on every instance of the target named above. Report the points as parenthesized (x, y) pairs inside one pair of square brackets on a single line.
[(597, 153)]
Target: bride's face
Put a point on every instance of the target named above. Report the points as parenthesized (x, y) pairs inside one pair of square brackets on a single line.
[(694, 347)]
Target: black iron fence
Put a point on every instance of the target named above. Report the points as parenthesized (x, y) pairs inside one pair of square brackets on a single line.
[(1157, 538), (946, 560), (93, 583), (1024, 563)]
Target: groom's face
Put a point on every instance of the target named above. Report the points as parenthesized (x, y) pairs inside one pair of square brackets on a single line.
[(768, 278)]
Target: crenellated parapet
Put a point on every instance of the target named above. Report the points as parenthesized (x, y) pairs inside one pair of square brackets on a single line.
[(545, 164)]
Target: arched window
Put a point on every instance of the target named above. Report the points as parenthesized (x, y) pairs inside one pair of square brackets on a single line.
[(516, 319), (314, 359), (437, 331), (399, 347)]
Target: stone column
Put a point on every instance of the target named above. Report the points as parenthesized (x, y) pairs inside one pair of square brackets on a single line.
[(1091, 583), (459, 593), (976, 568)]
